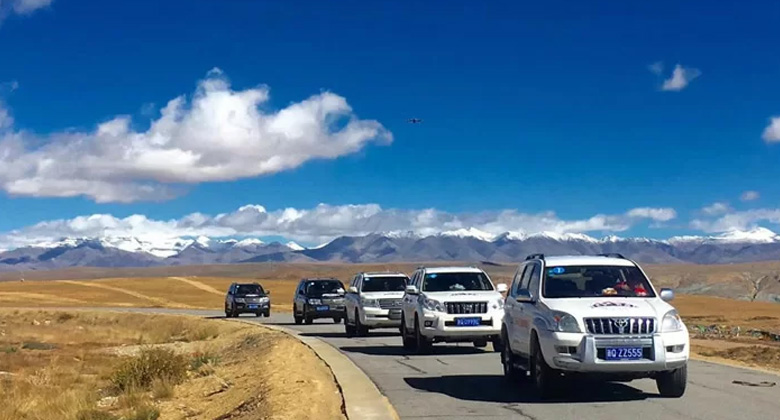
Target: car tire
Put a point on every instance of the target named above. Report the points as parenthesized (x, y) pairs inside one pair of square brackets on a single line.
[(360, 329), (511, 373), (422, 344), (672, 384), (480, 344), (408, 340), (258, 314), (337, 320), (308, 320), (349, 329), (498, 345), (546, 379), (267, 313)]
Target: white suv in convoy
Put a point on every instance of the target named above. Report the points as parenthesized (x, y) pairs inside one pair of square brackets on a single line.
[(597, 316), (374, 300), (451, 304)]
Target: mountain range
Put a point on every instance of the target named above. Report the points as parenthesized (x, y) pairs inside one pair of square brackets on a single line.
[(759, 244)]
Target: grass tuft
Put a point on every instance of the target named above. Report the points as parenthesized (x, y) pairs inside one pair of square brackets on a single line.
[(140, 372)]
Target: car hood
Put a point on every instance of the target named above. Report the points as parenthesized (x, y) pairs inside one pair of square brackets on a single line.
[(251, 295), (383, 295), (610, 307), (325, 296), (464, 296)]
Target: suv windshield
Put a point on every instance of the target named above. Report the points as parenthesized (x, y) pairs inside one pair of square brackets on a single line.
[(321, 287), (384, 284), (592, 281), (445, 282), (249, 289)]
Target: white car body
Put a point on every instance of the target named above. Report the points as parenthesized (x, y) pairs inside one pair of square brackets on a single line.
[(373, 309), (440, 324), (603, 324)]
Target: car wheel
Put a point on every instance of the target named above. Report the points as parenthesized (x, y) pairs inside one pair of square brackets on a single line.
[(672, 384), (480, 344), (421, 342), (258, 314), (511, 373), (337, 320), (308, 320), (267, 314), (360, 329), (409, 341), (498, 344), (545, 378), (349, 329)]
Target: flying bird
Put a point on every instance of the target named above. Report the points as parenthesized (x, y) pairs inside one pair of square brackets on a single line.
[(414, 120)]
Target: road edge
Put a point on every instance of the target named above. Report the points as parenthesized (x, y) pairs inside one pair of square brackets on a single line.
[(362, 398)]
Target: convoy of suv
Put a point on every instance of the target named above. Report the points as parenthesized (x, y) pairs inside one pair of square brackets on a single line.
[(562, 317)]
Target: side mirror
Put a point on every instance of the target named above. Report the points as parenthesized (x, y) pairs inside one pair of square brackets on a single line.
[(502, 287), (524, 296), (667, 294), (353, 289), (411, 290), (300, 292), (267, 292)]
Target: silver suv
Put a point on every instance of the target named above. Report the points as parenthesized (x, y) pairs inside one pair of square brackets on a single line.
[(374, 300)]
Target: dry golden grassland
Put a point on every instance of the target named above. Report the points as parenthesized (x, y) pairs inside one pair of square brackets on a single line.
[(85, 365)]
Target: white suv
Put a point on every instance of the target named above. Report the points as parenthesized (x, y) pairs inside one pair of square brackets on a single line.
[(451, 304), (592, 315), (374, 301)]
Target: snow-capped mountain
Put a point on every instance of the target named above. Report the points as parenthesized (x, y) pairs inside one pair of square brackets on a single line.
[(467, 244)]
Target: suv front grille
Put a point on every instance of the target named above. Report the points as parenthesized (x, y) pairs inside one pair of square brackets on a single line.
[(390, 303), (466, 307), (620, 325)]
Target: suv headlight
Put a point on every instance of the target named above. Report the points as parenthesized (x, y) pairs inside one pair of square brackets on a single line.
[(369, 302), (265, 299), (563, 322), (240, 300), (315, 301), (672, 322), (498, 304), (433, 305)]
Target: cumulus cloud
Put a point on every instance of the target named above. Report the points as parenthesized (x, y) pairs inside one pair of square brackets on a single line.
[(680, 78), (716, 209), (323, 222), (656, 68), (219, 134), (742, 220), (750, 196), (772, 131), (24, 7)]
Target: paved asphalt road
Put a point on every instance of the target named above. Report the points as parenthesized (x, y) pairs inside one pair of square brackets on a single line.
[(461, 382)]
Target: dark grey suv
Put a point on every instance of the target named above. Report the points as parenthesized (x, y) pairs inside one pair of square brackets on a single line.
[(245, 298), (319, 298)]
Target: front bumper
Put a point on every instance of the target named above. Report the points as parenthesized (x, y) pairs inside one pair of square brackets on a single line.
[(577, 352), (442, 327), (377, 318), (253, 307), (334, 311)]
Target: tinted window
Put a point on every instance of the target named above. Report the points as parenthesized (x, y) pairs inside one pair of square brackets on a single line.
[(384, 284), (445, 282), (249, 289), (322, 287), (592, 281)]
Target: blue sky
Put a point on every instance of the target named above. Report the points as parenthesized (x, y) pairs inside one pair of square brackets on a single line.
[(531, 108)]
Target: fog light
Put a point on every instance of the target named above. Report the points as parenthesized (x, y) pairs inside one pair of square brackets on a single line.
[(675, 349), (428, 323), (566, 349)]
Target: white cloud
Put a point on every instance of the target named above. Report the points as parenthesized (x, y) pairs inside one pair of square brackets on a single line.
[(750, 196), (772, 131), (24, 7), (322, 223), (743, 220), (656, 214), (680, 78), (656, 68), (716, 209), (220, 134)]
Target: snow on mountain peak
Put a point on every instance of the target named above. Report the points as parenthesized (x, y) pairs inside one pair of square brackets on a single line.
[(294, 246), (469, 233), (755, 235)]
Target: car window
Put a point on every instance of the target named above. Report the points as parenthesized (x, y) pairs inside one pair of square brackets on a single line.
[(442, 282), (592, 281), (249, 289), (526, 277), (384, 284), (517, 282), (533, 283), (321, 287)]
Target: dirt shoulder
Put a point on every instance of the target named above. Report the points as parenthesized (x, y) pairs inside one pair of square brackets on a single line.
[(81, 365)]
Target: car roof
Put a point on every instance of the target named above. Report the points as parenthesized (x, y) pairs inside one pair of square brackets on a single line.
[(452, 270), (566, 260), (383, 274), (320, 279)]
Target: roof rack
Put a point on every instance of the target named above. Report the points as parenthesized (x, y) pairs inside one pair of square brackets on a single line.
[(612, 255), (535, 257)]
